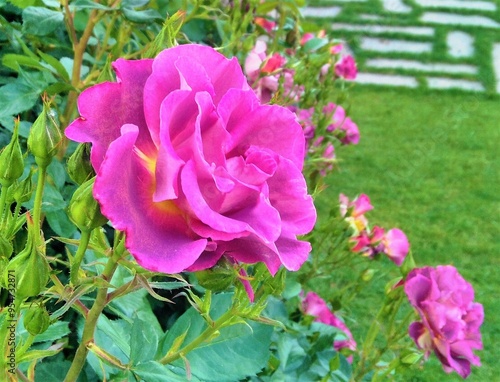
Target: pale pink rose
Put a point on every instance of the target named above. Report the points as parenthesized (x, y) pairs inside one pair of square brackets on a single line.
[(450, 319), (192, 167)]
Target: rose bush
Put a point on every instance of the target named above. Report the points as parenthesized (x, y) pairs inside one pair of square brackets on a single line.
[(450, 317), (192, 167)]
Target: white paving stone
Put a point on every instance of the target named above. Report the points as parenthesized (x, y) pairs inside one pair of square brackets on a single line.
[(378, 29), (451, 83), (386, 79), (456, 19), (396, 6), (369, 17), (496, 64), (385, 63), (460, 44), (321, 12), (458, 4), (402, 46)]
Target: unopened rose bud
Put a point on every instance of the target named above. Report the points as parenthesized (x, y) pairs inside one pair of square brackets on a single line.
[(36, 320), (84, 211), (45, 136), (11, 160), (367, 275), (30, 267), (79, 167)]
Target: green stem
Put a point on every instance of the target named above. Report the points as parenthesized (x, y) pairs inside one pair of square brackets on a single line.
[(207, 333), (77, 260), (37, 209), (91, 322)]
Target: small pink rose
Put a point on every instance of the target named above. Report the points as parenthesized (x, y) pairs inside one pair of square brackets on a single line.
[(346, 68), (396, 245)]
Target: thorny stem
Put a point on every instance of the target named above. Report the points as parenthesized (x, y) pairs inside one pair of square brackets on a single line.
[(37, 208), (77, 260), (91, 320)]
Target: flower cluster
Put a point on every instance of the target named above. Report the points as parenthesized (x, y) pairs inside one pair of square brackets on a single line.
[(273, 78), (371, 242), (264, 73), (450, 319), (315, 306), (205, 170)]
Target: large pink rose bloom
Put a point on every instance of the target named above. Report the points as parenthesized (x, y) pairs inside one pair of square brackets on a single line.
[(192, 167), (450, 317)]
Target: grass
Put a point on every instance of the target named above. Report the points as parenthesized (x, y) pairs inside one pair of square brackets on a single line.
[(430, 164)]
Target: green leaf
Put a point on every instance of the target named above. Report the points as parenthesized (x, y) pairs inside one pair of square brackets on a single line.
[(315, 44), (16, 97), (52, 370), (156, 372), (41, 21), (59, 87), (60, 223), (237, 352), (54, 332), (55, 64), (57, 173), (142, 17), (143, 342), (22, 3), (39, 354), (14, 61), (133, 3), (114, 330)]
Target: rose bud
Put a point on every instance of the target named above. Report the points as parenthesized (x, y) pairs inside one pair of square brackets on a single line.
[(30, 266), (45, 136), (79, 167), (11, 160), (36, 320), (84, 211)]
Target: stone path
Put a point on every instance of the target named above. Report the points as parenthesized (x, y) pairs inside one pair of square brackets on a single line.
[(436, 44)]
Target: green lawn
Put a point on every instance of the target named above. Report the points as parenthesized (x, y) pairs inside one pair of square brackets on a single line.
[(430, 164)]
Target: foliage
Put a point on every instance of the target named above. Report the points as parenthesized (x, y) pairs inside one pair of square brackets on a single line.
[(74, 296)]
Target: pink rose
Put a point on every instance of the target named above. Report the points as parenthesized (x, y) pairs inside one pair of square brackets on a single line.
[(346, 68), (266, 24), (315, 306), (396, 245), (192, 167), (450, 317), (341, 125)]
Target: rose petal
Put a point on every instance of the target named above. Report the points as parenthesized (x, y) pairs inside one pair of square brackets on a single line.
[(156, 233), (288, 194), (106, 107)]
